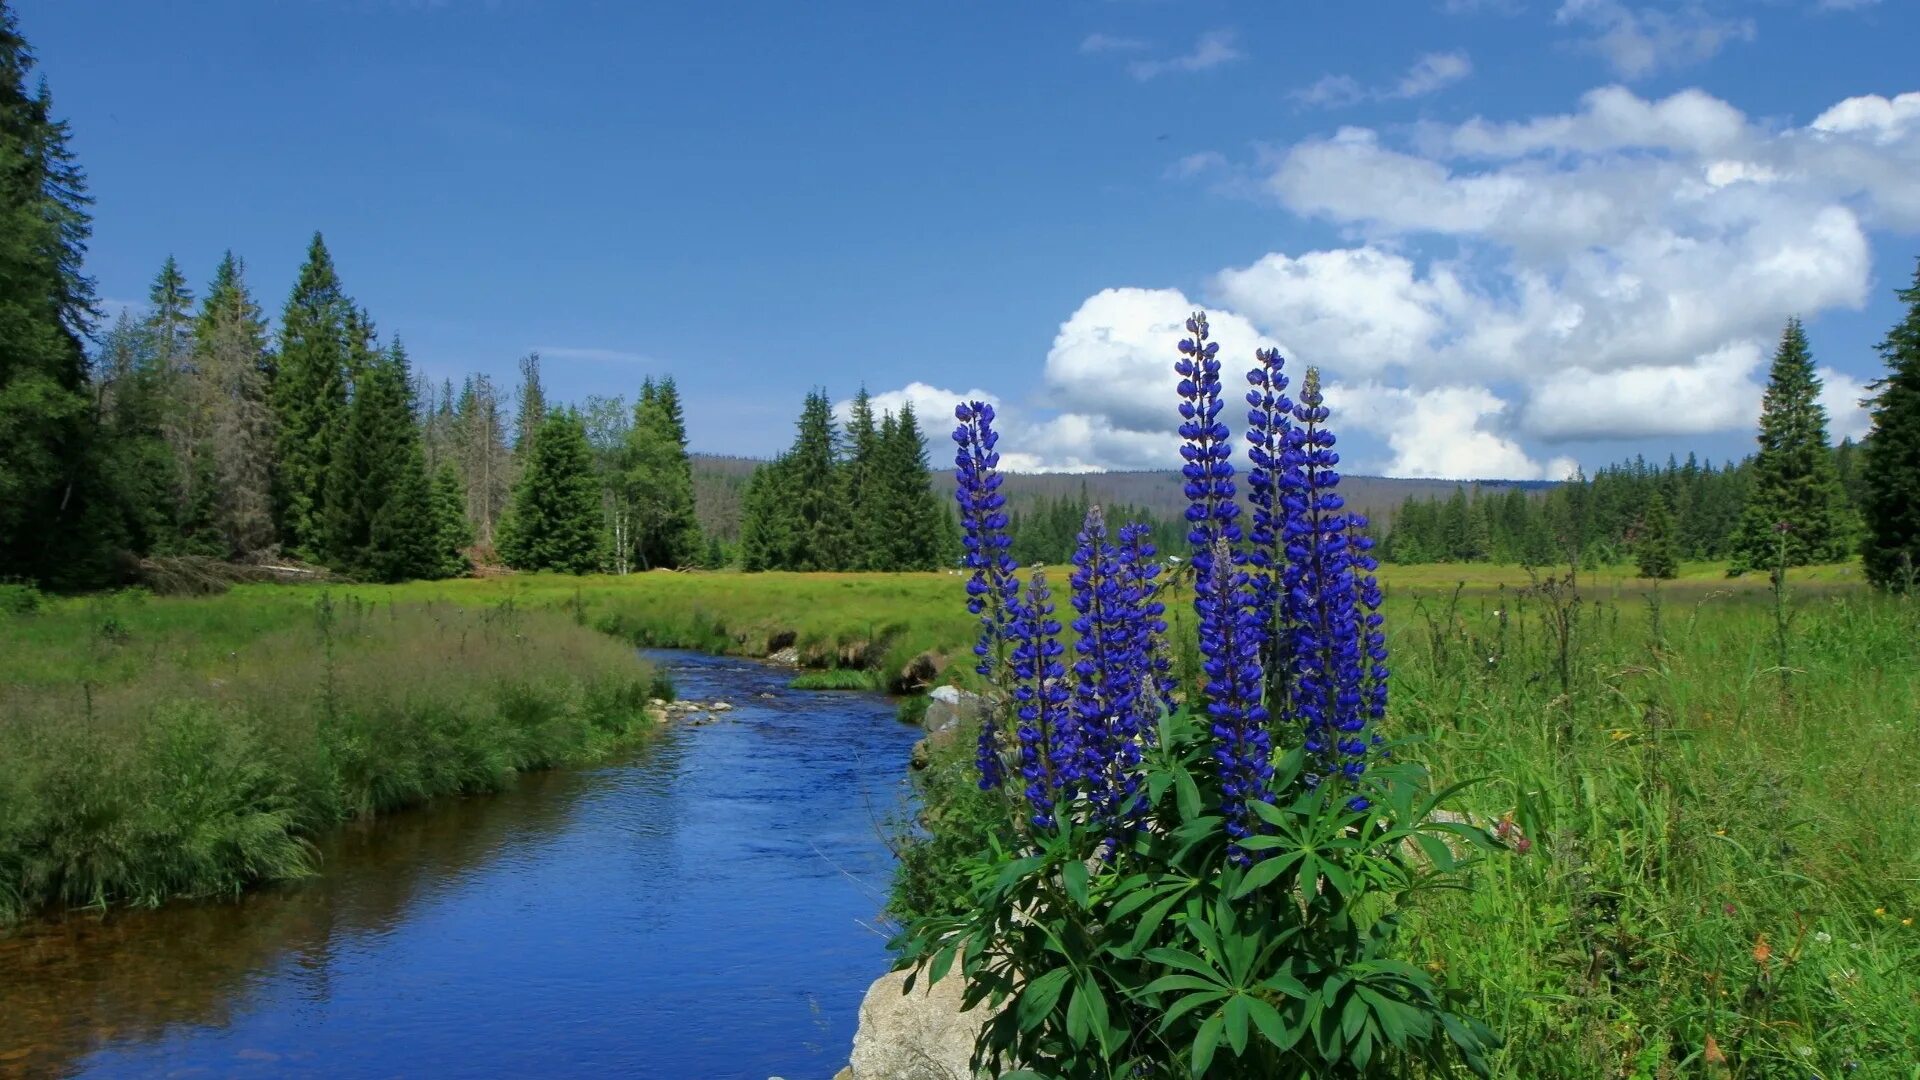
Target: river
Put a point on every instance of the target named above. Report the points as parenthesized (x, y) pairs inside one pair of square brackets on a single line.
[(703, 907)]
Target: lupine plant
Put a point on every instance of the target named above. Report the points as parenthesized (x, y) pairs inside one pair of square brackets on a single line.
[(1197, 880)]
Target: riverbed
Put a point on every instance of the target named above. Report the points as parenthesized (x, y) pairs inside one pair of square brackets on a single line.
[(706, 906)]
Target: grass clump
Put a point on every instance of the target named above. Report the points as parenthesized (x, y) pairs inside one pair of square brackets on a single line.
[(158, 768), (835, 679)]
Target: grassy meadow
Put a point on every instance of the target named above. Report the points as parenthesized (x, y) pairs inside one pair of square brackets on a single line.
[(1716, 786)]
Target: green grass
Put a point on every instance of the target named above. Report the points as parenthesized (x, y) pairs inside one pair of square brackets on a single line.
[(835, 679), (1691, 804), (156, 748)]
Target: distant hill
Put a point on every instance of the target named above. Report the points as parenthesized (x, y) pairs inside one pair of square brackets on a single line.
[(720, 481)]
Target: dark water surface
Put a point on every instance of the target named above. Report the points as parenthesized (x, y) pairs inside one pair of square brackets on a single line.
[(701, 908)]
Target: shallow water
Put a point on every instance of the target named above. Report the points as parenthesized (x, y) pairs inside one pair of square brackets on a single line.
[(702, 908)]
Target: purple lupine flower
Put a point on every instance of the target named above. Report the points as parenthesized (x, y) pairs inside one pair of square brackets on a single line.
[(1231, 639), (1273, 476), (1049, 748), (993, 590), (1115, 695), (1139, 570), (1212, 513), (1331, 641)]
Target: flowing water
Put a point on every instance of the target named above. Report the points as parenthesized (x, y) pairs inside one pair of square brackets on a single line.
[(702, 908)]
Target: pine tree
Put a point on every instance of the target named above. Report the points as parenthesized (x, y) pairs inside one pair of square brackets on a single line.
[(659, 480), (909, 536), (231, 358), (1890, 476), (861, 493), (133, 456), (532, 409), (57, 518), (378, 517), (811, 470), (554, 520), (1656, 547), (768, 525), (485, 463), (1794, 485), (609, 428), (185, 415), (453, 534), (310, 396)]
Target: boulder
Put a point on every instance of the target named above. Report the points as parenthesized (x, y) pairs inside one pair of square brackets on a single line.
[(923, 1035), (918, 672), (948, 706)]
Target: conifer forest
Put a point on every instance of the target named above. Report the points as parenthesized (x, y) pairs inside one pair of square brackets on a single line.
[(1487, 646)]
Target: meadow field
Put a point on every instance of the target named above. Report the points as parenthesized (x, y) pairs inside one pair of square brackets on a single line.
[(1706, 788)]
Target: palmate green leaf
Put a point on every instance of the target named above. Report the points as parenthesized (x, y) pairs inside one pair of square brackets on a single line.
[(1094, 1004), (1189, 1003), (1038, 999), (1074, 877), (1237, 1013), (1205, 1042), (1182, 982), (1187, 793), (1284, 983), (1149, 923), (1267, 871), (1077, 1015), (1181, 958), (1271, 1026)]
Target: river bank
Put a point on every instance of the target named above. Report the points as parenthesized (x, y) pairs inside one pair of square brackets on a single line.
[(699, 904), (154, 750)]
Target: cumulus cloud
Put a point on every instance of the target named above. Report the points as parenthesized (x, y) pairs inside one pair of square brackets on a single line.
[(1618, 271), (1429, 74), (1639, 41), (1214, 48), (1844, 398)]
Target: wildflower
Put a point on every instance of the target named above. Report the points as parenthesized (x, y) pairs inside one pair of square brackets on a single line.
[(1230, 643), (1112, 698), (1049, 752), (1762, 952), (1619, 734), (1273, 478), (1823, 937), (1211, 509), (993, 592), (1908, 921), (1879, 913)]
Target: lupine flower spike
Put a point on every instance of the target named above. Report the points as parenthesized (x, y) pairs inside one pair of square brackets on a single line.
[(1049, 748), (993, 591)]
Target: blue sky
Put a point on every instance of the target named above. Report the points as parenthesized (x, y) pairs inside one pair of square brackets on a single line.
[(1515, 235)]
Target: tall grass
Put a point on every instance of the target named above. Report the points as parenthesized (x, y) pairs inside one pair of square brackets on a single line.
[(142, 758), (1717, 855)]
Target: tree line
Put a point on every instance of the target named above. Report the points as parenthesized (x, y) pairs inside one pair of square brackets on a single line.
[(852, 499), (1796, 501)]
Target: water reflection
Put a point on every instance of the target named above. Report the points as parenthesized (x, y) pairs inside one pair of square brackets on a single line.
[(698, 909)]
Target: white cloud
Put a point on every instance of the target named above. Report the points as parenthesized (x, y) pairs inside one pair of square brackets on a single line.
[(1429, 74), (1440, 433), (1199, 164), (1610, 273), (1639, 41), (594, 355), (1214, 48), (1843, 397), (1102, 43)]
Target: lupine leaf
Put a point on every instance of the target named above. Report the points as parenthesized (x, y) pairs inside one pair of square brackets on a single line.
[(1237, 1013), (1150, 922), (1038, 999), (1181, 958), (1074, 877), (1204, 1044), (1187, 1004), (1267, 1019), (1266, 871)]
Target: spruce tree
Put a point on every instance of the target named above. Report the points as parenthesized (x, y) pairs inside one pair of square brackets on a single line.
[(554, 520), (1795, 487), (378, 518), (861, 492), (768, 525), (485, 462), (310, 396), (1890, 475), (659, 480), (453, 533), (820, 524), (57, 518), (532, 410), (910, 536), (1656, 547), (231, 357)]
